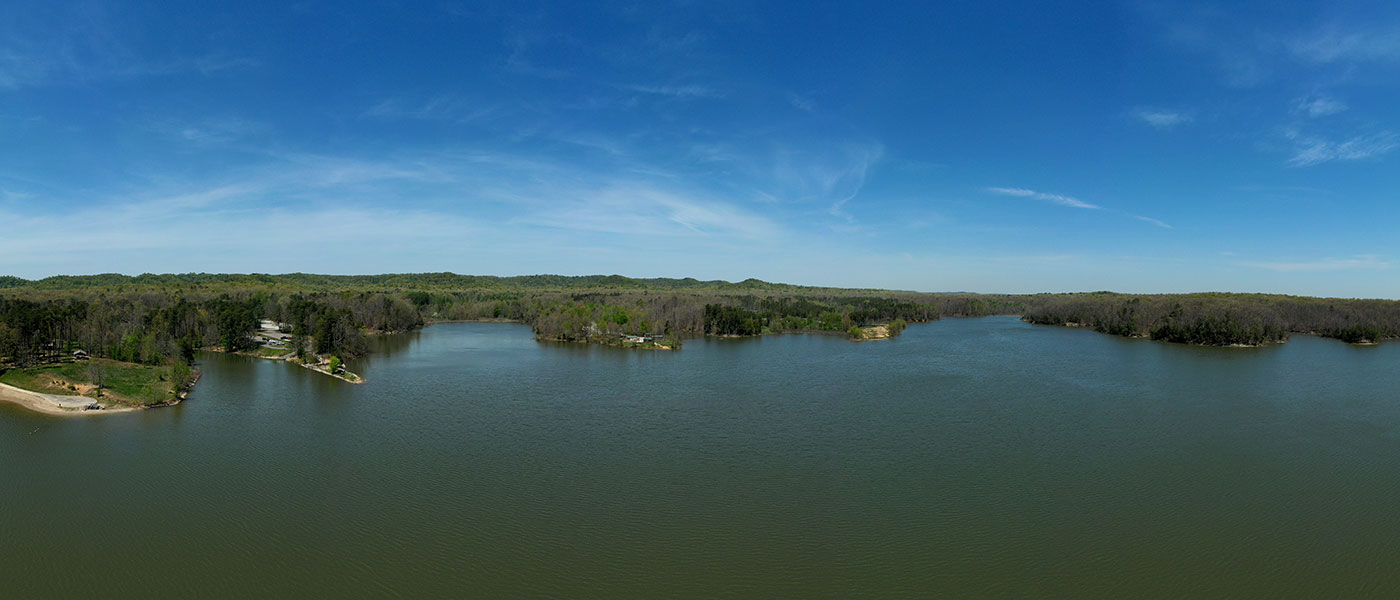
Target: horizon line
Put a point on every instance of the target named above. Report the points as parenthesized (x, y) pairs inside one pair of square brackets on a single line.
[(720, 281)]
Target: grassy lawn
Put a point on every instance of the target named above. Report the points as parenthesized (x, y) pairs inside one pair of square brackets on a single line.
[(124, 383), (40, 379), (273, 352)]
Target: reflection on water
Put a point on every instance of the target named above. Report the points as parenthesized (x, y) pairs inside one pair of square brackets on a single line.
[(967, 458)]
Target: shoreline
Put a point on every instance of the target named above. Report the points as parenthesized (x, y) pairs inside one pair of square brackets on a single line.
[(319, 369), (1135, 336), (876, 333), (290, 358), (427, 324), (606, 345), (1017, 316), (56, 404)]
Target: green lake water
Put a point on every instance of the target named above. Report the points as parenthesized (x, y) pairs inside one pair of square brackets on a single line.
[(968, 458)]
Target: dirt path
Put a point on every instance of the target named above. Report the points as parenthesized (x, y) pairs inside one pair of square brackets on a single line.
[(53, 404)]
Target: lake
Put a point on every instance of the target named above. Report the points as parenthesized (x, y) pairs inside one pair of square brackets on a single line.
[(969, 457)]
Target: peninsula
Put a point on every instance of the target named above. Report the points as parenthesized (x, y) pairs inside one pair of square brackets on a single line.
[(82, 385), (274, 341), (123, 342)]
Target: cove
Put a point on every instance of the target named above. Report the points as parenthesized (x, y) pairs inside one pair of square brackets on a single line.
[(968, 457)]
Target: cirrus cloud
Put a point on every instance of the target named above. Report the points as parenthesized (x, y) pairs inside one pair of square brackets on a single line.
[(1162, 119), (1059, 199)]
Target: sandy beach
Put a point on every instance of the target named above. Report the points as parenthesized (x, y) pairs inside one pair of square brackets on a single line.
[(53, 404)]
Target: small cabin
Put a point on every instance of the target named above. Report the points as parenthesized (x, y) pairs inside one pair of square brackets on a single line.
[(80, 355)]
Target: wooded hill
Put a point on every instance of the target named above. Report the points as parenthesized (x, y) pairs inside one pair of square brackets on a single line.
[(1218, 319), (156, 319), (398, 282)]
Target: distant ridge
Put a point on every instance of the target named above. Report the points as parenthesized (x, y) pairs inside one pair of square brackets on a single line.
[(398, 282)]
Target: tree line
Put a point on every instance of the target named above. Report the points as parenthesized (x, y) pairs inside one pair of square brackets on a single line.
[(154, 328), (1219, 319), (750, 315), (156, 319), (150, 324)]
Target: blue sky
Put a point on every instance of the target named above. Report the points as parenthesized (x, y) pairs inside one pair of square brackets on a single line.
[(1144, 147)]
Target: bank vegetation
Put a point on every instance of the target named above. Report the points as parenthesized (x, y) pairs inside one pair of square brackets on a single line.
[(161, 320)]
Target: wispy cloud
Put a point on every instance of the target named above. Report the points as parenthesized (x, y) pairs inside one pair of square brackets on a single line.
[(801, 103), (443, 206), (276, 238), (1250, 53), (89, 52), (1363, 262), (677, 91), (1318, 106), (13, 196), (670, 41), (1059, 199), (210, 131), (333, 172), (1242, 60), (222, 220), (443, 107), (203, 65), (1153, 221), (520, 63), (1162, 119), (1334, 44), (639, 209), (1021, 192), (828, 173), (845, 185), (541, 192), (714, 153), (1312, 150), (1070, 201), (1280, 189), (1036, 259), (18, 70)]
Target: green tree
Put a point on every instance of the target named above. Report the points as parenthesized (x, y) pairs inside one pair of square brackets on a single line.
[(188, 344), (149, 353), (9, 342), (299, 345), (97, 372), (180, 377)]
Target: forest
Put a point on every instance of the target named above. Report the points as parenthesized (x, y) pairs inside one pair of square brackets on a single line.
[(164, 319), (154, 328), (161, 319), (1217, 319)]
